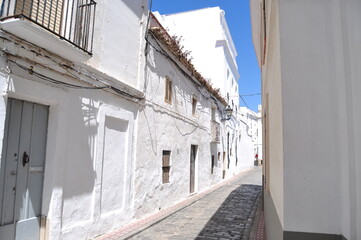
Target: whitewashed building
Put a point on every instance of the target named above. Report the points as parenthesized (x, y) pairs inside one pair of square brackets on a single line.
[(71, 80), (183, 131), (309, 55), (98, 127), (254, 127), (205, 35)]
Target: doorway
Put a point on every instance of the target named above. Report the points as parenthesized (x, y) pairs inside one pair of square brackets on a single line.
[(193, 168), (22, 170)]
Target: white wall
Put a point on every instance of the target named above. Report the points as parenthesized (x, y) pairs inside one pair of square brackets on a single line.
[(78, 200), (164, 126), (205, 34), (310, 146), (349, 88), (92, 134), (310, 96), (119, 27), (273, 122)]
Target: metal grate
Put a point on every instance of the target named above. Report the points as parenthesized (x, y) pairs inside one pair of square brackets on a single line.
[(71, 20)]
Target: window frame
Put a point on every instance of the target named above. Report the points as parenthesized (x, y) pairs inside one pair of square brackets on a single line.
[(168, 90), (166, 166)]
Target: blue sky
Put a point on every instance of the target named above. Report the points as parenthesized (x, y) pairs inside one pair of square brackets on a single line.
[(239, 23)]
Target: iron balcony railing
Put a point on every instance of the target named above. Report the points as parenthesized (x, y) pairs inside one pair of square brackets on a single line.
[(71, 20)]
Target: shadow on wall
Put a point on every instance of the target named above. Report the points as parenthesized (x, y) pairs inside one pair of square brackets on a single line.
[(136, 6), (79, 172), (234, 218)]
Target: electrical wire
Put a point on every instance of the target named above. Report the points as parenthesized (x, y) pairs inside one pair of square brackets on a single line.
[(248, 106), (249, 95), (54, 81), (68, 85)]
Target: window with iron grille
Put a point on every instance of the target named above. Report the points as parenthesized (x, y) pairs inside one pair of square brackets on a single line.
[(166, 166)]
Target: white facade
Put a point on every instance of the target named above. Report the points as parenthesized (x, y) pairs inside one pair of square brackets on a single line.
[(90, 143), (309, 52), (172, 126), (103, 124), (205, 34), (254, 127)]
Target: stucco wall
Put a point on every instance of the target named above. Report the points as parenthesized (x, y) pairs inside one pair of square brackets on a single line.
[(273, 119), (310, 131), (80, 199), (119, 27), (165, 126), (205, 34), (312, 58), (348, 72)]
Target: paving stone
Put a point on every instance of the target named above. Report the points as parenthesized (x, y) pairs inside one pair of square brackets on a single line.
[(227, 213)]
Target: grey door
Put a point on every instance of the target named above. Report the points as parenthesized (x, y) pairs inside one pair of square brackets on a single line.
[(192, 167), (22, 170)]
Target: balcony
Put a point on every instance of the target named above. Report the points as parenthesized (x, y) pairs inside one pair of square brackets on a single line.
[(52, 24), (216, 132)]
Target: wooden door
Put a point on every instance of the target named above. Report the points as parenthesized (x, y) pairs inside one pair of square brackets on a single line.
[(22, 170)]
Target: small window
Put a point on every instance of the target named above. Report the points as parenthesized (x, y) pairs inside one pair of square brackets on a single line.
[(212, 168), (219, 156), (166, 166), (213, 116), (194, 106), (168, 91)]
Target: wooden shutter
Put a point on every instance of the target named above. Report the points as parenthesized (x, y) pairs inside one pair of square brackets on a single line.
[(47, 13), (166, 166)]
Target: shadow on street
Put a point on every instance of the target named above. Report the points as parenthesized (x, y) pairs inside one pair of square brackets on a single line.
[(234, 218)]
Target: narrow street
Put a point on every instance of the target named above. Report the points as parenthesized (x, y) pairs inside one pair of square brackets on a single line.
[(226, 213)]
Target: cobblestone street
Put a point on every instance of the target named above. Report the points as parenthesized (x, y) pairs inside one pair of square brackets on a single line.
[(226, 213)]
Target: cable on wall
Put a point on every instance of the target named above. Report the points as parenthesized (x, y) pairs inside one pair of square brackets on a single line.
[(31, 71)]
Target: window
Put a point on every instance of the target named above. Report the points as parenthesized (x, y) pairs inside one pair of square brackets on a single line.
[(168, 91), (194, 106), (166, 166), (219, 156), (212, 168), (213, 116)]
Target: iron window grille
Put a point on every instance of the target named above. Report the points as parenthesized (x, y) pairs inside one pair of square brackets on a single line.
[(71, 20)]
